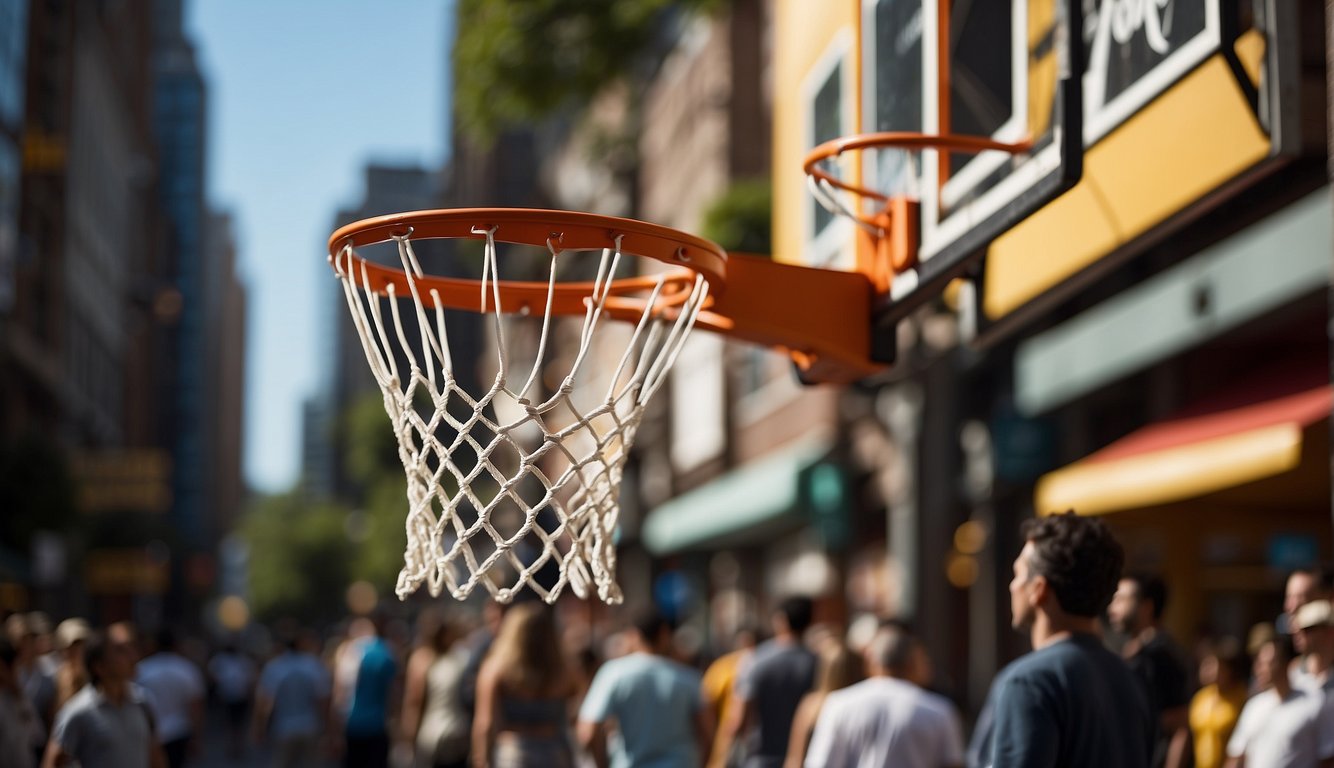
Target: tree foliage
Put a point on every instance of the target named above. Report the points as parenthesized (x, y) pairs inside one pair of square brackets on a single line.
[(300, 557), (518, 61), (741, 219), (372, 450), (305, 552)]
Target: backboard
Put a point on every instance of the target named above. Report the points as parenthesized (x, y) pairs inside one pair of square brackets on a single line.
[(1186, 105), (999, 70)]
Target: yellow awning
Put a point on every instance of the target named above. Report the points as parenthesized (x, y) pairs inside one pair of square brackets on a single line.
[(1193, 455)]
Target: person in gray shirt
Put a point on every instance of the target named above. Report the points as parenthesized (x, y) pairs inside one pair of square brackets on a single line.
[(772, 684), (107, 724)]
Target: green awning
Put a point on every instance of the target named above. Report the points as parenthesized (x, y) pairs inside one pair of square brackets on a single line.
[(751, 500)]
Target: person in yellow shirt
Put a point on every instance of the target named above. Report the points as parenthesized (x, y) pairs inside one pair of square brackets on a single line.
[(1216, 706), (716, 690)]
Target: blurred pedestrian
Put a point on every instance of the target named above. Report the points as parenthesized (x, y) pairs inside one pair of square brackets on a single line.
[(47, 657), (478, 645), (1312, 630), (1215, 707), (889, 719), (72, 672), (433, 721), (233, 675), (107, 724), (366, 729), (127, 634), (1070, 702), (19, 726), (839, 667), (1281, 726), (37, 685), (717, 690), (771, 685), (346, 662), (652, 701), (524, 688), (1303, 586), (174, 688), (292, 702), (1136, 613)]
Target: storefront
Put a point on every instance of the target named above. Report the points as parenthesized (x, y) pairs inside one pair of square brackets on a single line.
[(1159, 334)]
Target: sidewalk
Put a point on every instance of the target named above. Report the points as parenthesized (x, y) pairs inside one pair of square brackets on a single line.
[(213, 751)]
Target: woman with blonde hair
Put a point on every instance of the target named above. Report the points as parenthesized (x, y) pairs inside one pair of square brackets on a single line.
[(523, 693), (840, 667)]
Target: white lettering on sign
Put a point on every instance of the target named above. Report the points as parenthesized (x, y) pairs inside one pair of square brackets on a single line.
[(1121, 21)]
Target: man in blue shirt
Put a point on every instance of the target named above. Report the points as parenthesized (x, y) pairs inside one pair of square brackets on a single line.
[(291, 702), (654, 703), (1070, 702)]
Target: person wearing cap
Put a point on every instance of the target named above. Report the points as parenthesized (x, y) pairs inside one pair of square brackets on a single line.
[(72, 674), (1281, 726), (1313, 630)]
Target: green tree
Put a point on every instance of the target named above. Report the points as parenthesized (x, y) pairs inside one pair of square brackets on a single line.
[(518, 61), (741, 219), (300, 557)]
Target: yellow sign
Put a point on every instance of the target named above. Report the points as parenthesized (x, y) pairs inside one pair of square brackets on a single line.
[(124, 572), (124, 481)]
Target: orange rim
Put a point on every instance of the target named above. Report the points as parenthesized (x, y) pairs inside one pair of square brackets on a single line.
[(623, 296), (562, 231), (897, 140)]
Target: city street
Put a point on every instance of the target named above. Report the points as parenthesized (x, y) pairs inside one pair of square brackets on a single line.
[(214, 749), (549, 367)]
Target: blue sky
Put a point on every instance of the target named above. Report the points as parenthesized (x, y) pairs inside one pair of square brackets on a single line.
[(302, 95)]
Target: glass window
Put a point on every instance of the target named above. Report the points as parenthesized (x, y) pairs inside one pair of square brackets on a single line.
[(827, 124), (13, 51), (9, 220)]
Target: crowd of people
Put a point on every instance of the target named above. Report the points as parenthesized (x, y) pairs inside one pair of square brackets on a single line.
[(1104, 686)]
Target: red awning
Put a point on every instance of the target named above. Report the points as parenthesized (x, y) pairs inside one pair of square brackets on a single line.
[(1244, 435)]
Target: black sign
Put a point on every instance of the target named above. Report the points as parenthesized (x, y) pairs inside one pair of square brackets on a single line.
[(1136, 49)]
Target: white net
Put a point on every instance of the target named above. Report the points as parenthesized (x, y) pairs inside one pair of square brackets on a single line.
[(508, 488)]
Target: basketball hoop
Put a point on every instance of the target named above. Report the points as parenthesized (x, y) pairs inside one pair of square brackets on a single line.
[(494, 472), (553, 465), (893, 224)]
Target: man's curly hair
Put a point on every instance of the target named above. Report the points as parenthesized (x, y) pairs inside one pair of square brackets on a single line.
[(1079, 557)]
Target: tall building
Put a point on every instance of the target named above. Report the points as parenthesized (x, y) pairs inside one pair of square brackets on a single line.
[(79, 341), (225, 323), (180, 121), (388, 189), (33, 309), (13, 72), (13, 76)]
